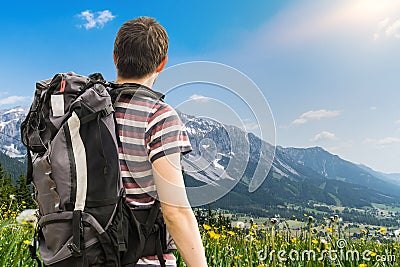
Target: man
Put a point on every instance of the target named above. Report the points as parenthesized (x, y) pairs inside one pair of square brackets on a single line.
[(153, 140)]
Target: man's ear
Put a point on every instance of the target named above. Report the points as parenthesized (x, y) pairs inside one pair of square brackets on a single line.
[(162, 64), (115, 59)]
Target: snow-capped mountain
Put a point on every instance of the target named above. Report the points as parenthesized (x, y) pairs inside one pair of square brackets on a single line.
[(10, 122), (296, 176), (226, 152), (225, 156)]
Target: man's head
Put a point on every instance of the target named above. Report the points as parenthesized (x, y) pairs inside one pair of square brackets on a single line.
[(140, 48)]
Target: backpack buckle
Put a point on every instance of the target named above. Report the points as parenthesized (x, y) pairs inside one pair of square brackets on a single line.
[(76, 252), (107, 111)]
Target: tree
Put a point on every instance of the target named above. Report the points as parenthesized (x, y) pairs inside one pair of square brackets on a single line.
[(7, 190), (24, 192)]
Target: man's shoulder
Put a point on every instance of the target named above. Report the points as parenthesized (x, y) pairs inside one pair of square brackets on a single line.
[(154, 108), (145, 101)]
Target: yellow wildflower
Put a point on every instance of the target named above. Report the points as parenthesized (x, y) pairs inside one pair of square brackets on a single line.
[(362, 265), (373, 254), (329, 230), (206, 227), (214, 235), (315, 241), (27, 242), (231, 233), (382, 230), (293, 239)]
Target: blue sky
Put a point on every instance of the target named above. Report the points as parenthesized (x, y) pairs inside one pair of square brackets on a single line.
[(328, 69)]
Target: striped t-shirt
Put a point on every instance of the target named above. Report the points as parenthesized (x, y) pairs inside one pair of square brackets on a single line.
[(148, 129)]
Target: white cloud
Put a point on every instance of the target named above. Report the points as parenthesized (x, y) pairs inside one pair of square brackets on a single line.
[(97, 19), (388, 28), (324, 136), (251, 126), (397, 122), (384, 23), (381, 26), (13, 99), (383, 141), (316, 115), (199, 98), (393, 30)]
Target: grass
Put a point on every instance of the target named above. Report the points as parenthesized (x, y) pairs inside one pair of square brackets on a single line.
[(14, 237), (277, 245), (274, 243)]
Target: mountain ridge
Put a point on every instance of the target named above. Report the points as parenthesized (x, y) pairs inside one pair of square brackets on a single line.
[(224, 153)]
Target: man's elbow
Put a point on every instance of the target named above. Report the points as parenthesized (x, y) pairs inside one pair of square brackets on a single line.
[(173, 214)]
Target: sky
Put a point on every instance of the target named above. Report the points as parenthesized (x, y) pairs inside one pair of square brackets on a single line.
[(322, 73)]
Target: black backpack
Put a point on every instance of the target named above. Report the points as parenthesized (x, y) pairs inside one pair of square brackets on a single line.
[(73, 164)]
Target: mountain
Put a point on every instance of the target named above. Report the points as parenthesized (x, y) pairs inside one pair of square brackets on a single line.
[(393, 178), (333, 167), (10, 123), (235, 162), (297, 176)]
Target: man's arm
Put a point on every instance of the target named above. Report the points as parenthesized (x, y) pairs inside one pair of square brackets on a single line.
[(178, 215)]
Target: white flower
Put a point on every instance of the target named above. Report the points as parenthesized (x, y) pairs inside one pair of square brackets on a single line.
[(27, 216), (249, 238), (397, 233), (274, 221), (12, 197), (240, 224)]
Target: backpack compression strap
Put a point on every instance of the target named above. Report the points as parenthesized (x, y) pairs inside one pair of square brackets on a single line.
[(151, 227)]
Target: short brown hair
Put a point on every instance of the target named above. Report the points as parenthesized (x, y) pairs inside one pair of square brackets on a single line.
[(140, 46)]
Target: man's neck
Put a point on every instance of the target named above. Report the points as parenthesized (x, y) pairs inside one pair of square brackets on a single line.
[(147, 81)]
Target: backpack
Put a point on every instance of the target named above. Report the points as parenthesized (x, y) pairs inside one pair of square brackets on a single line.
[(72, 148)]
